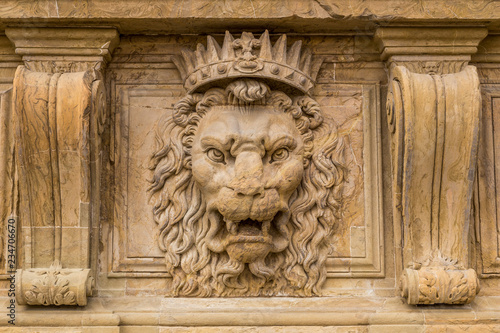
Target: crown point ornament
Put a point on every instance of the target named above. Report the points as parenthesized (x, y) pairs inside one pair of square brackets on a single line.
[(249, 57)]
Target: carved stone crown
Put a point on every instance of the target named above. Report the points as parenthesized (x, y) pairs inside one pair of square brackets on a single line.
[(247, 57)]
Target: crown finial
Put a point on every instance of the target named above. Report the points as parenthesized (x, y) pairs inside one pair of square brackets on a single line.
[(247, 56)]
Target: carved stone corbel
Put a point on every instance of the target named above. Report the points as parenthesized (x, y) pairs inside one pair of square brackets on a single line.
[(433, 114), (60, 113)]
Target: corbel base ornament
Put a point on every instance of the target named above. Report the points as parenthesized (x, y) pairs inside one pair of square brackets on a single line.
[(53, 286), (439, 280)]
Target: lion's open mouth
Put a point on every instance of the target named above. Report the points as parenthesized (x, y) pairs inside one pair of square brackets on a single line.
[(248, 232), (248, 227), (255, 230)]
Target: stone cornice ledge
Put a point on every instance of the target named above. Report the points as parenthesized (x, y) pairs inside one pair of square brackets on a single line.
[(488, 50), (324, 311), (338, 9), (195, 16)]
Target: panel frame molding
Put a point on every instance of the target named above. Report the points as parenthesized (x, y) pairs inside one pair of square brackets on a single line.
[(371, 265), (488, 215)]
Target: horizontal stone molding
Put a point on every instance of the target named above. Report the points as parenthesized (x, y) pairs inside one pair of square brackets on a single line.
[(235, 314)]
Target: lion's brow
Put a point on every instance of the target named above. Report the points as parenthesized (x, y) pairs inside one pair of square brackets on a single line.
[(232, 142), (224, 142), (281, 140)]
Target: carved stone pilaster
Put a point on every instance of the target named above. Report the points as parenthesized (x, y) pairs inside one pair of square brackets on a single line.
[(8, 182), (60, 114), (433, 110)]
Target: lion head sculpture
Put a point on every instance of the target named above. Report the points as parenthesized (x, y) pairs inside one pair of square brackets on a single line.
[(246, 191)]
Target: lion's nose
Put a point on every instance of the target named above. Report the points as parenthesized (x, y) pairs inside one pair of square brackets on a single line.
[(248, 174)]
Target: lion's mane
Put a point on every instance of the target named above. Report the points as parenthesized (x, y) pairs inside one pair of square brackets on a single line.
[(180, 210)]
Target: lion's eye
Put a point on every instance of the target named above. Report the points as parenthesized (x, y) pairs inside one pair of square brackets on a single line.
[(279, 155), (215, 155)]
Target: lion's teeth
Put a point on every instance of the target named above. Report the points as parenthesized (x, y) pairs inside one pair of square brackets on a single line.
[(266, 225), (232, 227)]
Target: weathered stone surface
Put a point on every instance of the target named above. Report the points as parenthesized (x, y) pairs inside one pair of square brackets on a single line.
[(144, 156)]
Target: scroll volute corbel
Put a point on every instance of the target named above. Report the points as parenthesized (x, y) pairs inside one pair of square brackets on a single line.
[(434, 122), (59, 119), (60, 110)]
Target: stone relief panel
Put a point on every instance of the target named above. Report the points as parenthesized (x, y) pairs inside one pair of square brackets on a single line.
[(354, 242), (8, 188)]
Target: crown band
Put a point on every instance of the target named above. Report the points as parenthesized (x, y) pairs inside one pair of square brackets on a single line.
[(247, 57)]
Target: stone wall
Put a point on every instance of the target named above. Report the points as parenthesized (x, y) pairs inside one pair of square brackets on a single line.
[(249, 166)]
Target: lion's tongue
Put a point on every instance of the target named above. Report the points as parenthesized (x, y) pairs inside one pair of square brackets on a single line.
[(248, 227), (249, 230)]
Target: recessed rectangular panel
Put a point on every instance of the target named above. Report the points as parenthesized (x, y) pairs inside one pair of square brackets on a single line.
[(135, 235), (356, 242), (487, 199)]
